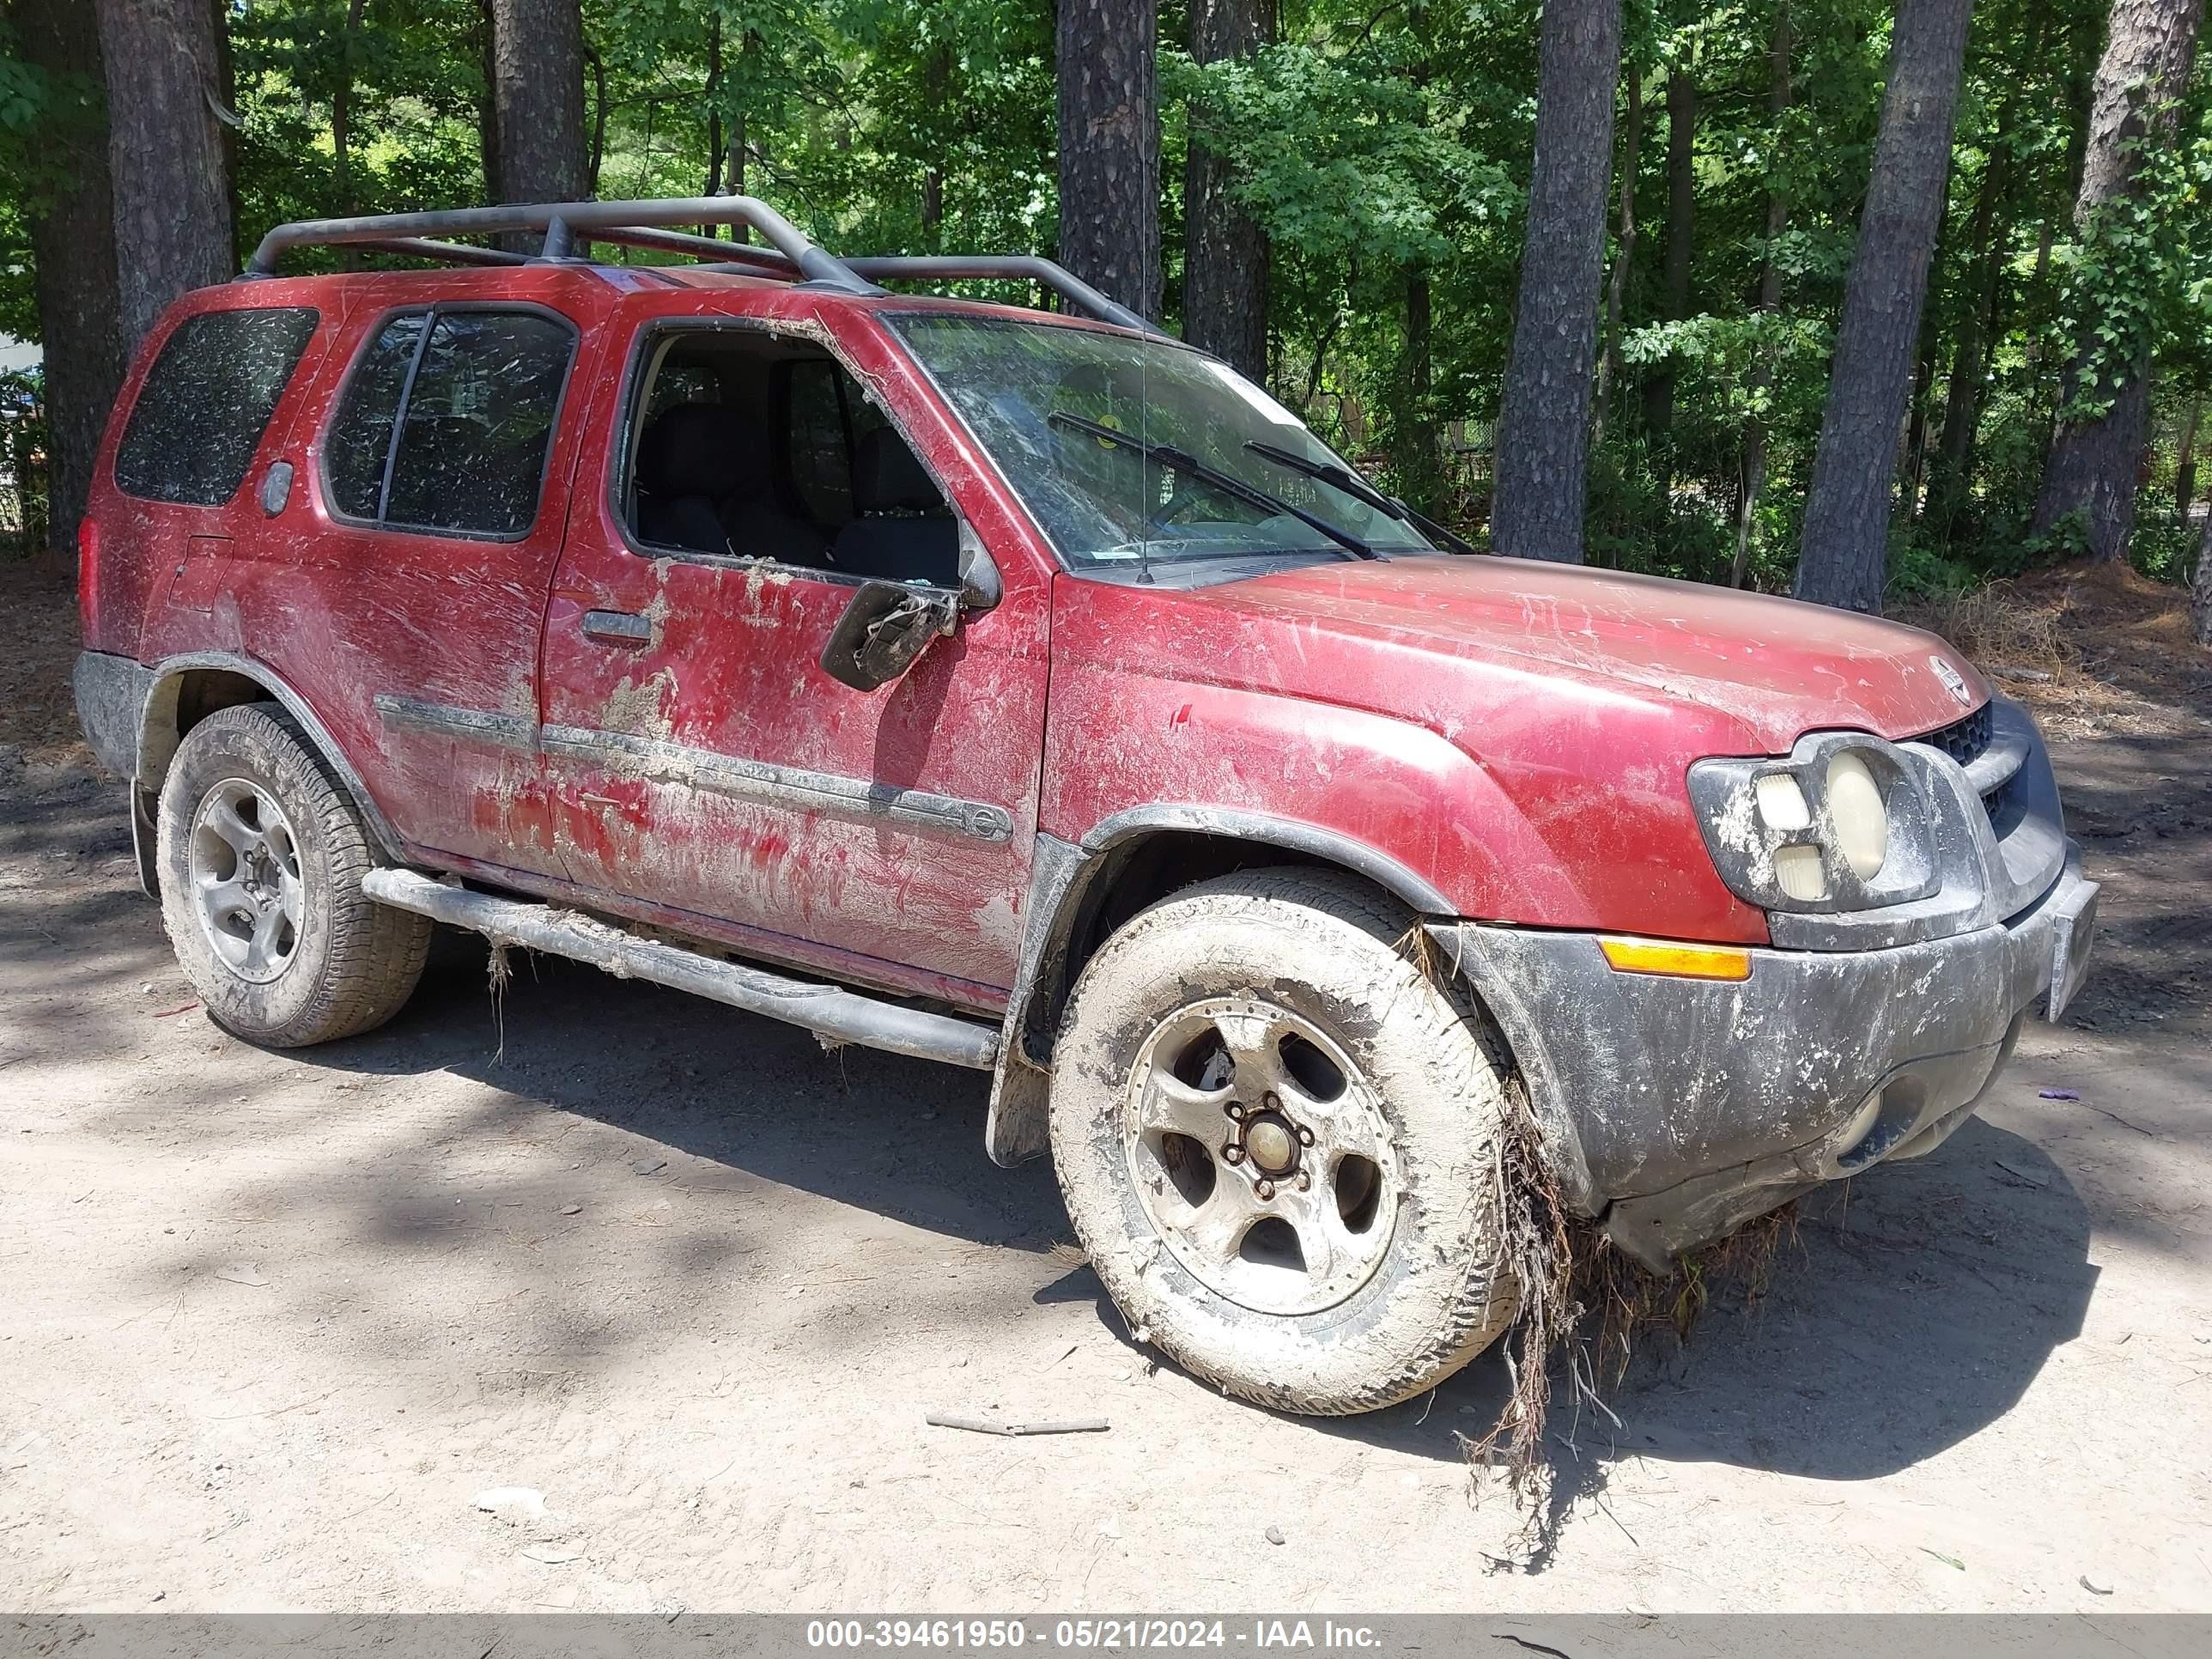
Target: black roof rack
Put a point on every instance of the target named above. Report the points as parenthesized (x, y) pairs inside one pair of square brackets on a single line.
[(567, 226)]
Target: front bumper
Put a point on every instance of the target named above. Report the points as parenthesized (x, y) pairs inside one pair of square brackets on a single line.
[(1676, 1109)]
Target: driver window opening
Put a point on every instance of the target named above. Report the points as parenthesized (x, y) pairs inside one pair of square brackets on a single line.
[(750, 446)]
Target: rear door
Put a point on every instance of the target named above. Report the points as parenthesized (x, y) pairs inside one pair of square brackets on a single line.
[(701, 760), (438, 488)]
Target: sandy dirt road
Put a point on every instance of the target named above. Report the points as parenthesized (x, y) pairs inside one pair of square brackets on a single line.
[(271, 1323)]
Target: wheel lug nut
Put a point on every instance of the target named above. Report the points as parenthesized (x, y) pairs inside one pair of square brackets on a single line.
[(1267, 1190), (1270, 1103), (1305, 1137), (1232, 1153), (1236, 1112), (1305, 1181)]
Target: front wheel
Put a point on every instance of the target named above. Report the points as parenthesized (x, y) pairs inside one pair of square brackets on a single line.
[(1279, 1141)]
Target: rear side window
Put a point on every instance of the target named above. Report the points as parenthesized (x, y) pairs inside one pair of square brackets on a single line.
[(447, 422), (206, 402)]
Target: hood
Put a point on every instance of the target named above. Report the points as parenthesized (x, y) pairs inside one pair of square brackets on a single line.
[(1782, 667)]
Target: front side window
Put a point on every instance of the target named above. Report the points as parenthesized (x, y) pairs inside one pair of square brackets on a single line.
[(206, 402), (1078, 419), (447, 422)]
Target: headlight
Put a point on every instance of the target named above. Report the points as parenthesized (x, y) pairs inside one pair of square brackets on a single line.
[(1842, 824), (1861, 819)]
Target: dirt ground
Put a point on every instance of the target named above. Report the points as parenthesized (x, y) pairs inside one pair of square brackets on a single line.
[(275, 1324)]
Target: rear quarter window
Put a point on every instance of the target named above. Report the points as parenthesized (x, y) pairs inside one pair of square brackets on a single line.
[(206, 402)]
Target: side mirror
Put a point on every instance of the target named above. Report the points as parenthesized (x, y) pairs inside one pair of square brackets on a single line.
[(980, 586), (885, 627)]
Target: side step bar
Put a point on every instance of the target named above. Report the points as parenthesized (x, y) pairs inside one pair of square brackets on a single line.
[(825, 1010)]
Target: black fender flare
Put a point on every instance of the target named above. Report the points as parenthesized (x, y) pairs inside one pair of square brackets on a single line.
[(158, 737), (1061, 876)]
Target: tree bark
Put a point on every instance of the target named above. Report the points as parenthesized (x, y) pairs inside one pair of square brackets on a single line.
[(1543, 447), (597, 65), (1609, 362), (1954, 445), (936, 80), (1674, 260), (2200, 591), (1109, 149), (2184, 464), (1751, 480), (485, 32), (1226, 258), (1415, 443), (166, 162), (2150, 46), (1845, 551), (537, 97), (72, 233)]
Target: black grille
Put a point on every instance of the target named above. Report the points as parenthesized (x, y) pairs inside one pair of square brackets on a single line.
[(1963, 741)]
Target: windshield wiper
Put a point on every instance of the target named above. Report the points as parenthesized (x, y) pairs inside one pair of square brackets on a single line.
[(1337, 479), (1228, 483)]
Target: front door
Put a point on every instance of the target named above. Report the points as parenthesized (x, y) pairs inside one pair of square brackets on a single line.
[(701, 760)]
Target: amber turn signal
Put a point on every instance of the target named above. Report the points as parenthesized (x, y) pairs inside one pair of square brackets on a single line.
[(1657, 956)]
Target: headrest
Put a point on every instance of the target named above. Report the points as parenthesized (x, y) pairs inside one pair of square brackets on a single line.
[(702, 449), (886, 477)]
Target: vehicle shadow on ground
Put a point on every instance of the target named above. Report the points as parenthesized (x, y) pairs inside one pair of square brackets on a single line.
[(1898, 1317)]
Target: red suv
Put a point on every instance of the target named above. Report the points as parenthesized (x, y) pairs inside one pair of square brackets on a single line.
[(1032, 692)]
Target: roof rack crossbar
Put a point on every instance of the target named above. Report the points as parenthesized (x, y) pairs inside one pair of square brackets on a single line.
[(454, 253), (581, 221), (654, 224), (1016, 267), (770, 262)]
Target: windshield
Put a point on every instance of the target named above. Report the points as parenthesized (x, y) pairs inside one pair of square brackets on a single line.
[(1053, 403)]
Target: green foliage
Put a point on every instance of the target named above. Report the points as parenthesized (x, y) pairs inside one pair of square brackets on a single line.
[(1385, 147)]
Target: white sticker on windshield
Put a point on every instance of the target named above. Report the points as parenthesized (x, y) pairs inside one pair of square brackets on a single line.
[(1253, 395)]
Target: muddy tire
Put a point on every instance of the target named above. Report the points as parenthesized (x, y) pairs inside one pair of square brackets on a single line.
[(262, 852), (1279, 1142)]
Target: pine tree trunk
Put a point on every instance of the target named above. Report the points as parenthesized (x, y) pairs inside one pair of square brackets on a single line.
[(2150, 46), (936, 80), (1416, 447), (1955, 446), (165, 152), (1751, 476), (73, 261), (2200, 591), (1609, 362), (715, 153), (1543, 447), (488, 98), (1225, 259), (1845, 551), (537, 93), (2184, 462), (1674, 262), (1109, 149)]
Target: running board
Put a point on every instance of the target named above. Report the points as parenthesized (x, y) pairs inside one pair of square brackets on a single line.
[(832, 1013)]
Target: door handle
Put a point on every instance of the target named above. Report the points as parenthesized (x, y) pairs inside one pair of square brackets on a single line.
[(617, 628)]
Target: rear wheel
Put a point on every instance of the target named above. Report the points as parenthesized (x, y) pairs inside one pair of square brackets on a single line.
[(1278, 1141), (262, 852)]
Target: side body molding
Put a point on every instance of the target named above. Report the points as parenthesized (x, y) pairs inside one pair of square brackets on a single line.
[(1064, 882)]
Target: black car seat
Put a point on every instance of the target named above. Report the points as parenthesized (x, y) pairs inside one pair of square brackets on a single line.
[(705, 483), (905, 532)]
